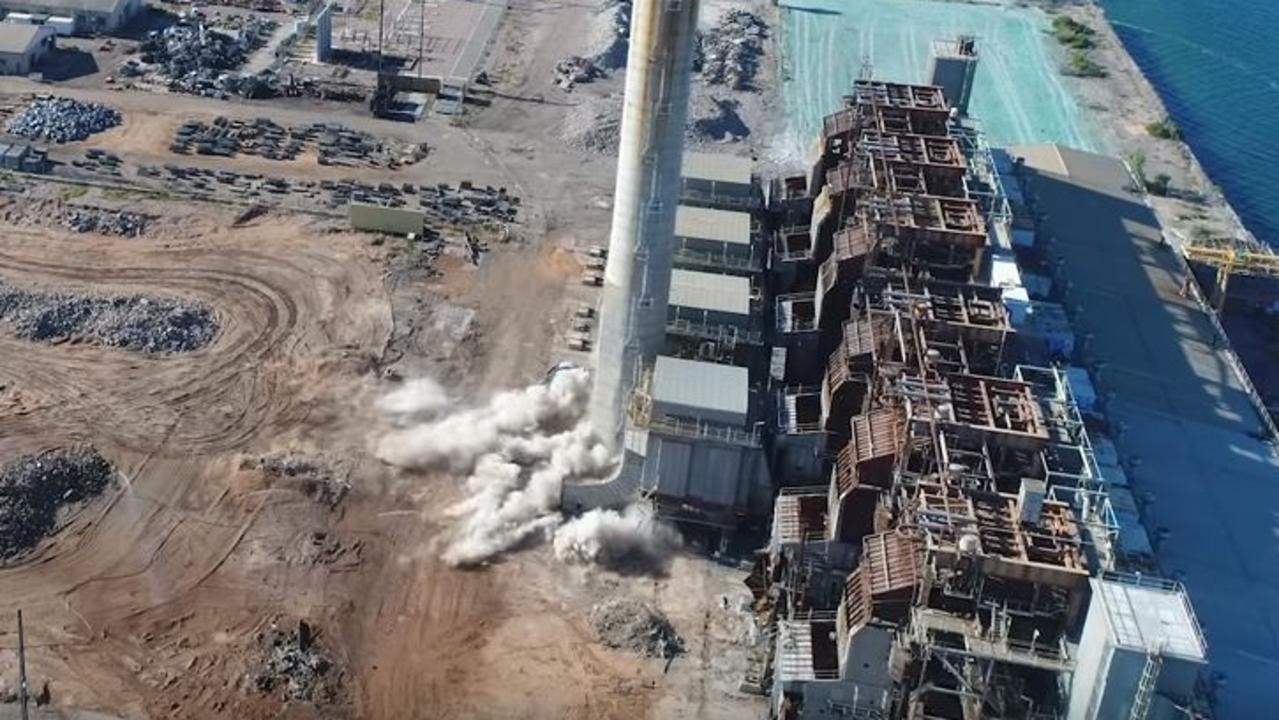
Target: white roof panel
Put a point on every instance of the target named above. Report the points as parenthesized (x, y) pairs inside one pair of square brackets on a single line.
[(1147, 618), (17, 38), (695, 384), (708, 224), (711, 291), (717, 167)]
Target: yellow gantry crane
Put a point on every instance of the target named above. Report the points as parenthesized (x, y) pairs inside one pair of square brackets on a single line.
[(1231, 259)]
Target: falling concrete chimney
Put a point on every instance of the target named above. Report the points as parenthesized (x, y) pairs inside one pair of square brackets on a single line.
[(632, 326)]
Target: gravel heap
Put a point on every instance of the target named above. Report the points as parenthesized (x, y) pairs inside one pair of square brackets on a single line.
[(34, 488), (609, 40), (83, 219), (729, 53), (629, 624), (131, 322), (59, 119), (294, 668), (595, 124)]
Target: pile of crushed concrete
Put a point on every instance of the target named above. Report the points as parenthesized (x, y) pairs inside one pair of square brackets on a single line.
[(131, 322), (635, 626), (35, 488)]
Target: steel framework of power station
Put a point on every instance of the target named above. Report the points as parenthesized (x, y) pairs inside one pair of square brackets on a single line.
[(946, 540)]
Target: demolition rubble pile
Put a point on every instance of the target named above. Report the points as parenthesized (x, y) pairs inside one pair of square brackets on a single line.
[(194, 58), (729, 53), (334, 144), (313, 478), (631, 625), (103, 221), (574, 70), (59, 120), (34, 488), (130, 322), (292, 666)]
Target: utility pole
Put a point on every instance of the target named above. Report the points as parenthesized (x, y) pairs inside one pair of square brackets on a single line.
[(23, 693)]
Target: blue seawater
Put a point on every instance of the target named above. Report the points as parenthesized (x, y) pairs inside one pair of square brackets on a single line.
[(1215, 63)]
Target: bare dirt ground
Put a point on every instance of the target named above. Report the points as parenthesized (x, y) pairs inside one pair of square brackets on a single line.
[(152, 601)]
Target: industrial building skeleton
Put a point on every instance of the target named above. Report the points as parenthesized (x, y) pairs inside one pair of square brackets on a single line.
[(966, 505)]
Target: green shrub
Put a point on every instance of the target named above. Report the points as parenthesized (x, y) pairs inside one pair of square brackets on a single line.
[(1084, 66), (1163, 129)]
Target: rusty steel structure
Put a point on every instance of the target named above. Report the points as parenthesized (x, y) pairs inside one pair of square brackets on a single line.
[(937, 549)]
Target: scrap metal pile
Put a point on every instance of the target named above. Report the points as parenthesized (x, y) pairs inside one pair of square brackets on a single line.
[(729, 53), (34, 488), (294, 668), (197, 59), (59, 119), (575, 69), (334, 144), (103, 221), (465, 204), (130, 322), (629, 624)]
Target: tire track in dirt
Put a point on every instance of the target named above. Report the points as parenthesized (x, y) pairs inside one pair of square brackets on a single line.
[(256, 313)]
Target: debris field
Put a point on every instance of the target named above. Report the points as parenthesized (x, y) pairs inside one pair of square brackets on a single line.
[(635, 626), (103, 221), (60, 120), (193, 57), (293, 667), (129, 322), (730, 52), (35, 488)]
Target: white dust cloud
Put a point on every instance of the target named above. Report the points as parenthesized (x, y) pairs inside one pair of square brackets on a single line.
[(516, 451)]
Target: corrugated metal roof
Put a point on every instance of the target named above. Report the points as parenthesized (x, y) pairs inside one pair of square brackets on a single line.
[(1146, 618), (709, 224), (710, 291), (694, 384), (717, 167)]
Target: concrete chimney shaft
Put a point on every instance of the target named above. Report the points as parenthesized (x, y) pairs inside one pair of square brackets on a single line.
[(632, 326)]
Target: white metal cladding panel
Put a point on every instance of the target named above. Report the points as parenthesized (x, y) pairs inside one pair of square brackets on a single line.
[(709, 391), (671, 462), (1092, 663), (710, 291), (718, 168), (715, 475), (727, 226)]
